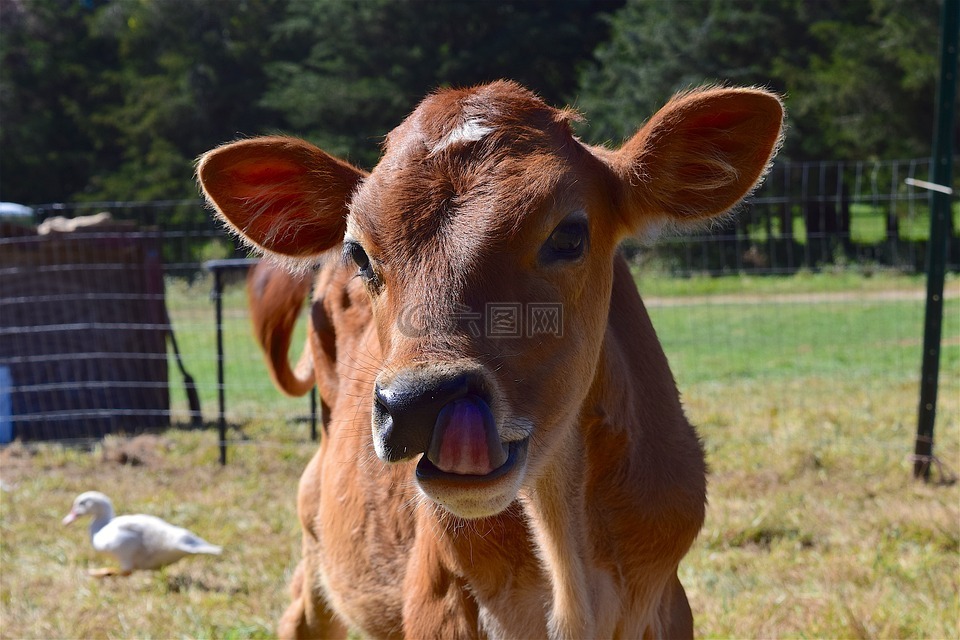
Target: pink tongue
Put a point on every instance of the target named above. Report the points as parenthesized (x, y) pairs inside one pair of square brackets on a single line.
[(465, 440)]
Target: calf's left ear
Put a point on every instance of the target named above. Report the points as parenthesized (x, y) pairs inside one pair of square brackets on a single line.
[(698, 156)]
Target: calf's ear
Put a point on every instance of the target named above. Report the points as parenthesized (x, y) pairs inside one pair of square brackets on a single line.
[(281, 195), (698, 156)]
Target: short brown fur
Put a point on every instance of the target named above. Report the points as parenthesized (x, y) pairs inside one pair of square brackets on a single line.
[(584, 536)]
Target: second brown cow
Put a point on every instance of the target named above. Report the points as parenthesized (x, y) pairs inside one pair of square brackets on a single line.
[(505, 454)]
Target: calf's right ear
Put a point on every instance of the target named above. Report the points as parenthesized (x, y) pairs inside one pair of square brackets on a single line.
[(282, 195), (699, 155)]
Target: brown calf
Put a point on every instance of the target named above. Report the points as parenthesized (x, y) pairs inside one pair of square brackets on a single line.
[(506, 455)]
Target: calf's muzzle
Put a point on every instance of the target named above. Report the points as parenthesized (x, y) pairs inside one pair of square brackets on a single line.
[(446, 417)]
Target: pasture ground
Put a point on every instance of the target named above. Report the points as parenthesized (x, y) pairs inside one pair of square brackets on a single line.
[(815, 526)]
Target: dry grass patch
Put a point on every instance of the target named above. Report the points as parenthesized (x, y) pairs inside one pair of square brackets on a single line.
[(248, 507), (815, 526)]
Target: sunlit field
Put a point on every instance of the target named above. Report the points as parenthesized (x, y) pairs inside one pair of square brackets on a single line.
[(804, 391)]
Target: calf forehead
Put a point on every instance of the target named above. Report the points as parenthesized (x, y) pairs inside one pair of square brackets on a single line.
[(464, 172), (501, 111)]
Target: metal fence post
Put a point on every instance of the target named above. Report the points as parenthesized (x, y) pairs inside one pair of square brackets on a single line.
[(941, 171), (221, 386)]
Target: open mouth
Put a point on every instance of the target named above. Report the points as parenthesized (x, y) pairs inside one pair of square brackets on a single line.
[(427, 471)]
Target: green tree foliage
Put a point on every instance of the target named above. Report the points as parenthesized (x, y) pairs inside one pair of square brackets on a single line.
[(114, 99), (50, 83), (192, 74), (350, 70), (858, 76), (867, 87), (658, 48)]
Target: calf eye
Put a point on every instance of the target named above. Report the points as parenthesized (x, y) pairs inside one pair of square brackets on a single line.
[(361, 259), (359, 256), (567, 242)]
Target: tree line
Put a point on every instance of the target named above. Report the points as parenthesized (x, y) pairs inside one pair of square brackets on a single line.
[(114, 99)]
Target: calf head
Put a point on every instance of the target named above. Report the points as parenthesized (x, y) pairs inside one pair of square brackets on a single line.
[(485, 238)]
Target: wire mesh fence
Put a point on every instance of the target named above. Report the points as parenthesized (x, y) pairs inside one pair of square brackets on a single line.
[(92, 306), (814, 215)]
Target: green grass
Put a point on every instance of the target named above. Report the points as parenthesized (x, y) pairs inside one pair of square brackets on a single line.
[(248, 389), (765, 341), (247, 506), (868, 223), (804, 390), (758, 230), (830, 281), (815, 526)]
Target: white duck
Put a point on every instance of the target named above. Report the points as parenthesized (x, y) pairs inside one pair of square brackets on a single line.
[(138, 541)]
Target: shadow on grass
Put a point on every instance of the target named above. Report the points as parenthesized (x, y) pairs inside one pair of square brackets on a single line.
[(181, 583)]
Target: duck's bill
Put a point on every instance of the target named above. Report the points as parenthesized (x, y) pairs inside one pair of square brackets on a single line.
[(70, 517)]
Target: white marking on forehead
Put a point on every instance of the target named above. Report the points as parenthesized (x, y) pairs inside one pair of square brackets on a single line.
[(470, 131)]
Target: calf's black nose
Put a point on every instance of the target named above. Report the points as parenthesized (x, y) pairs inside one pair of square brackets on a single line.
[(405, 410)]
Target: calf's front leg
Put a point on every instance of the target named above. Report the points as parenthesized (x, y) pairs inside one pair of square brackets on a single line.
[(308, 615)]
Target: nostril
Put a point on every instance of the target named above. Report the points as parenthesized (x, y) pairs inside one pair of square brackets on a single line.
[(379, 399), (394, 399), (381, 412)]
